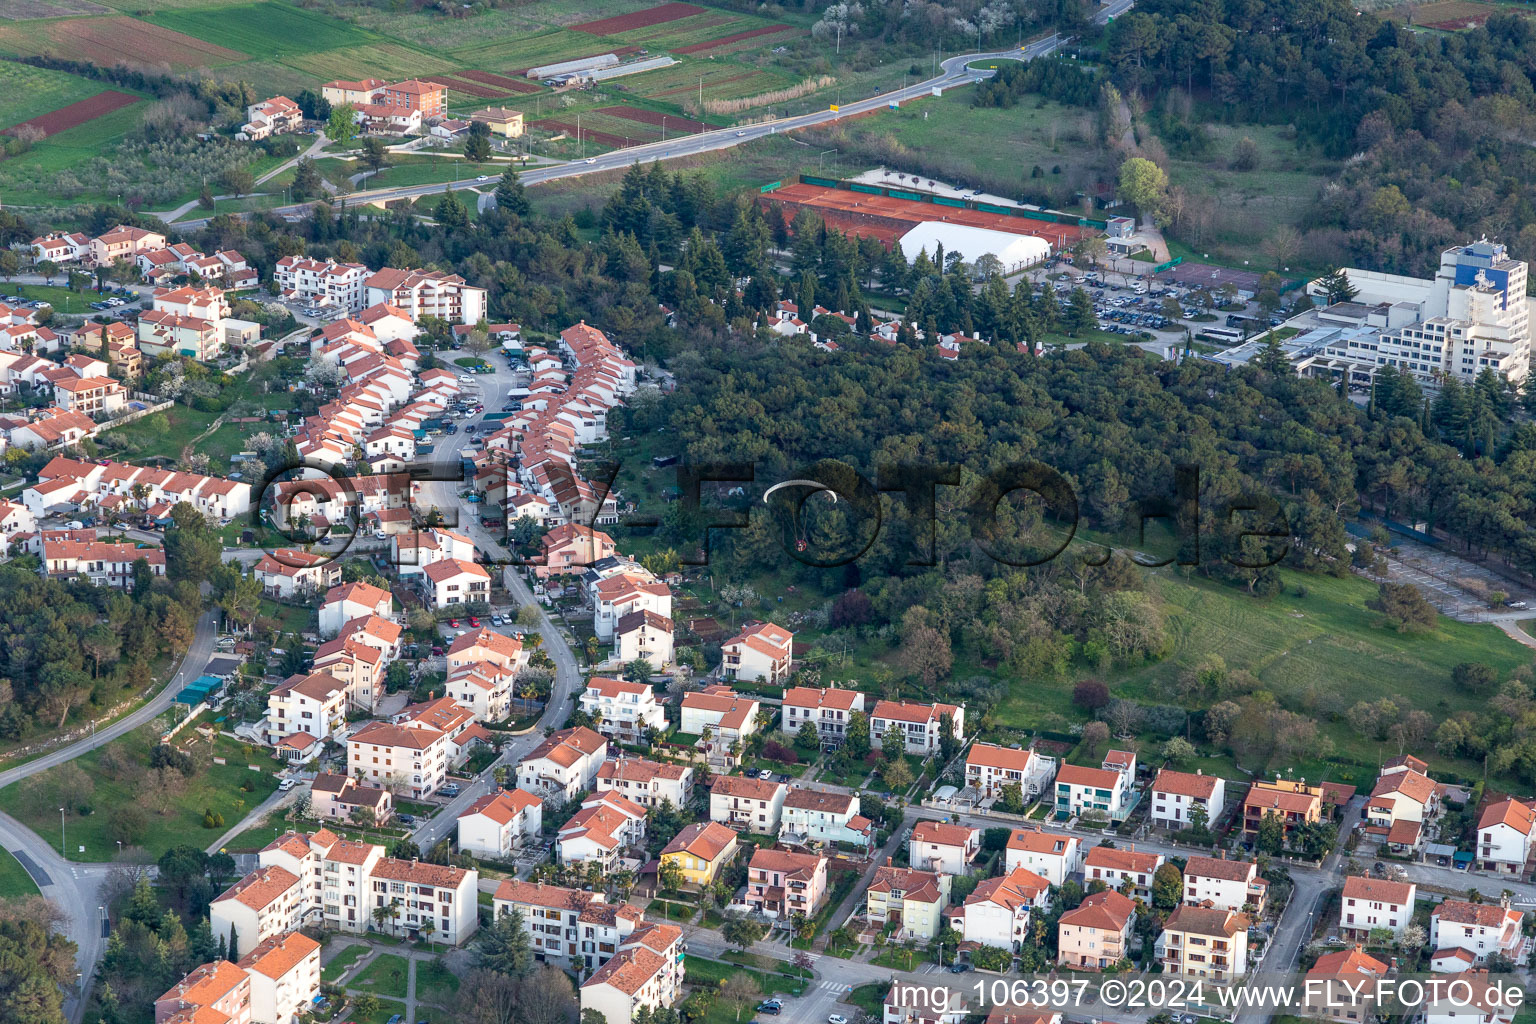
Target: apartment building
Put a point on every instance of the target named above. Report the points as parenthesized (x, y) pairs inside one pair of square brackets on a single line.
[(761, 653), (644, 636), (827, 708), (645, 782), (284, 973), (1053, 856), (1176, 795), (781, 884), (563, 765), (989, 767), (1116, 867), (942, 847), (1292, 801), (325, 283), (104, 564), (1103, 793), (998, 910), (748, 805), (602, 830), (811, 815), (1096, 934), (1225, 884), (1375, 903), (266, 903), (914, 900), (1504, 835), (408, 757), (499, 824), (314, 704), (571, 928), (623, 710), (700, 852), (423, 293), (452, 581), (920, 727), (645, 975), (215, 992), (1204, 942), (1479, 930)]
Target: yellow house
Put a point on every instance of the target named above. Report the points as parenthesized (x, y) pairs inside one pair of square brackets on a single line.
[(700, 851), (501, 121)]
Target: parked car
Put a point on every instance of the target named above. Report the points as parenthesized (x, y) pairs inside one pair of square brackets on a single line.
[(452, 789), (286, 785), (453, 623), (474, 623), (437, 652), (406, 819)]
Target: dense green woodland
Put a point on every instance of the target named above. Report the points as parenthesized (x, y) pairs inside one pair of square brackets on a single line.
[(1440, 120)]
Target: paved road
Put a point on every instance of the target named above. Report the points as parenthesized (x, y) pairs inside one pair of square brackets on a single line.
[(72, 886), (954, 73), (444, 495)]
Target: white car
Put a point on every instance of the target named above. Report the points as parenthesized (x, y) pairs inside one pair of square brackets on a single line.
[(484, 177), (285, 785), (837, 1018), (740, 134), (591, 159)]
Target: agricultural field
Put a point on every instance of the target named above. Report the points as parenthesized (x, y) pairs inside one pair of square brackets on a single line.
[(28, 92), (112, 40), (1447, 15), (264, 29)]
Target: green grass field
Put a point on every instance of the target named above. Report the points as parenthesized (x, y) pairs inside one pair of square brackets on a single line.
[(435, 983), (385, 976), (14, 880), (1313, 651), (28, 92), (62, 299), (216, 787), (339, 964), (264, 30)]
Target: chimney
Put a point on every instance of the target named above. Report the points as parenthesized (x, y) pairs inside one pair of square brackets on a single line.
[(1199, 771), (887, 862)]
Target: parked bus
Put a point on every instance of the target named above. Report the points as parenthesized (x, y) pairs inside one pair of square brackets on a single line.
[(1221, 335)]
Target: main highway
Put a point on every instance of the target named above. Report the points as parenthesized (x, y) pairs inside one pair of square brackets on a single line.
[(954, 71)]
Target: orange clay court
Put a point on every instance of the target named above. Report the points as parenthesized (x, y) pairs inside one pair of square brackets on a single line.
[(887, 219)]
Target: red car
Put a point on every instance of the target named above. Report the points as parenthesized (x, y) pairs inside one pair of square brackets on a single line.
[(453, 623), (474, 623)]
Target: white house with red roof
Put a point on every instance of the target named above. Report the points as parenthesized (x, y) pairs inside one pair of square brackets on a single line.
[(325, 283), (422, 293), (276, 116), (646, 973), (60, 247), (919, 726), (1103, 792), (454, 581), (1175, 795), (827, 708), (813, 815), (284, 971), (989, 767), (943, 847), (350, 601), (564, 764), (606, 826), (291, 572), (1504, 835), (622, 710), (1369, 904), (634, 590), (1229, 884), (645, 636), (761, 653), (1479, 930), (726, 716), (1116, 867), (314, 704), (499, 824), (998, 910), (1054, 856), (646, 782)]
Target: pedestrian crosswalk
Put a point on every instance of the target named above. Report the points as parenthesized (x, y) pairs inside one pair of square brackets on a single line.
[(834, 987)]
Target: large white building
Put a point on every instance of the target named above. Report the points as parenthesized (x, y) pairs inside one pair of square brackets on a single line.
[(997, 913), (424, 293), (621, 709), (564, 764), (499, 823), (326, 283)]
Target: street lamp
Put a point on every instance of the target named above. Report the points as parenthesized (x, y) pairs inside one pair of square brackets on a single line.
[(63, 847)]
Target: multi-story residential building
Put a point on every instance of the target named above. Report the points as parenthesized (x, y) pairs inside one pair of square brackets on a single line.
[(563, 765), (104, 564), (359, 665), (351, 601), (623, 710), (339, 92), (409, 756), (1372, 903), (215, 992), (570, 548), (920, 727), (644, 636), (1103, 793), (1479, 930), (275, 116), (914, 899), (1053, 856), (748, 805), (1204, 942), (60, 247), (761, 653), (90, 396), (700, 852), (284, 972), (989, 767), (343, 798), (646, 974), (997, 912), (501, 121), (1225, 884), (1401, 796), (266, 903), (499, 824), (621, 594), (121, 242), (604, 827), (1116, 867), (290, 572), (1341, 986), (424, 97), (647, 783), (726, 717), (570, 928), (423, 293), (1293, 802), (811, 815), (326, 283), (1504, 837), (1096, 933), (828, 709), (1175, 795), (426, 899), (313, 704), (452, 581), (942, 847), (1474, 996), (781, 884)]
